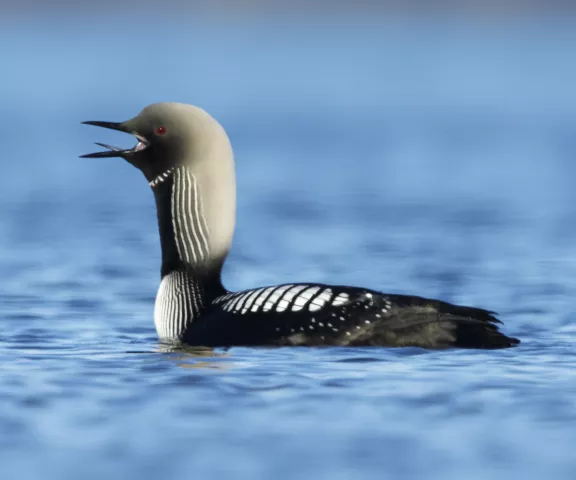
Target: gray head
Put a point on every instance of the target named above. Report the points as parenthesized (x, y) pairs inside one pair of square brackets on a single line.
[(175, 136), (169, 135)]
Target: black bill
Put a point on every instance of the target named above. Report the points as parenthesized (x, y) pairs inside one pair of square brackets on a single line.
[(115, 151)]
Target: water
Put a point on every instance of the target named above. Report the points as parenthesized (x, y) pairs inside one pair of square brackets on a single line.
[(456, 186)]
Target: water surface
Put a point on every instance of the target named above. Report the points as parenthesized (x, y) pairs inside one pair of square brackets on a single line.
[(437, 163)]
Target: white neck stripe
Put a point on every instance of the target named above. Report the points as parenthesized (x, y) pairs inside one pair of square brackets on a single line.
[(160, 178), (188, 221), (180, 219), (178, 303)]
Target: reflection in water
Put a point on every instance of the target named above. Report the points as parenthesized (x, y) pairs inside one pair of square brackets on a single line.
[(187, 356)]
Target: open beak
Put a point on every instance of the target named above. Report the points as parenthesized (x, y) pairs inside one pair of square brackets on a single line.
[(115, 151)]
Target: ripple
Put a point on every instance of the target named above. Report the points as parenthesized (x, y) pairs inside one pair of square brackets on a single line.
[(452, 203)]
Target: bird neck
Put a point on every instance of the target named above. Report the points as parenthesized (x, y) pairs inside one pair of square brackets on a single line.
[(196, 206), (194, 243), (192, 254)]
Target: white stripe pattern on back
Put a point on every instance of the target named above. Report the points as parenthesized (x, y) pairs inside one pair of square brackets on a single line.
[(341, 299), (279, 299)]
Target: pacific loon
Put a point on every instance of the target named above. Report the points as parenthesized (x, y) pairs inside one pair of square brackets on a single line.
[(186, 156)]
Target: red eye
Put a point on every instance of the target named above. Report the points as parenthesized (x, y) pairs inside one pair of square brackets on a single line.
[(160, 130)]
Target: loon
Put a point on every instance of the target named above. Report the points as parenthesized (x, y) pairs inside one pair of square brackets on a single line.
[(187, 158)]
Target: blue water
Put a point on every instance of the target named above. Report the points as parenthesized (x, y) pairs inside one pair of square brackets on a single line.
[(428, 160)]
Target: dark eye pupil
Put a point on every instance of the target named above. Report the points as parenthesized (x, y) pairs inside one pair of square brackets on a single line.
[(161, 130)]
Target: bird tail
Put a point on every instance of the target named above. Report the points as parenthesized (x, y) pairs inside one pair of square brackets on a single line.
[(478, 334), (437, 324), (475, 327)]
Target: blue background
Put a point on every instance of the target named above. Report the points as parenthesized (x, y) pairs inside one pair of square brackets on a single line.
[(423, 155)]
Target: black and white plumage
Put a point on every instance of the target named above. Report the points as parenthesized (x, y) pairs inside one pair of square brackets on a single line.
[(186, 157), (317, 314)]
